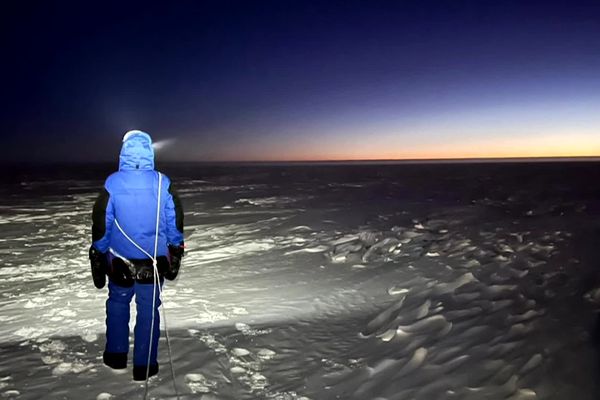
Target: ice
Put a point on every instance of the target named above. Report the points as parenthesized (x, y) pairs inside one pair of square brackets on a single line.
[(394, 291), (265, 354), (198, 383), (55, 346), (258, 381), (242, 327), (315, 249), (383, 287), (238, 352), (303, 228), (89, 336), (5, 382), (66, 367), (268, 201), (32, 332), (534, 362), (237, 370), (524, 394), (434, 324)]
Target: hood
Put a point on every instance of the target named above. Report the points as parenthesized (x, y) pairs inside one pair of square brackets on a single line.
[(136, 152)]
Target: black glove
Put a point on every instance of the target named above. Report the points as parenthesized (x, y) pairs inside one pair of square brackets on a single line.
[(175, 256), (99, 263)]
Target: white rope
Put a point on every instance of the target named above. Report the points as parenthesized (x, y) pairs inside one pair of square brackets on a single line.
[(169, 352), (155, 284), (132, 242), (151, 334)]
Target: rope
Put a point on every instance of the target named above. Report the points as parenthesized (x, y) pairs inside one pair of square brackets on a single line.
[(151, 335), (155, 284), (132, 242), (155, 277), (168, 345)]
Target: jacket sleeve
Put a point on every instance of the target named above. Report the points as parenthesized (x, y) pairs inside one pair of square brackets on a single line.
[(174, 215), (102, 221)]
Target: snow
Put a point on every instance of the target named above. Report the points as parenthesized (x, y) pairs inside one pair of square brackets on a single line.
[(378, 286)]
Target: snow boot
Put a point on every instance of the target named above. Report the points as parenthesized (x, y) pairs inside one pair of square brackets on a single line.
[(115, 360), (139, 371)]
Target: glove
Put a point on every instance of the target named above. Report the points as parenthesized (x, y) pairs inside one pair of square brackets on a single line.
[(175, 255), (99, 263)]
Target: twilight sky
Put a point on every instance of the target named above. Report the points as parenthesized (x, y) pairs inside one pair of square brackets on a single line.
[(301, 80)]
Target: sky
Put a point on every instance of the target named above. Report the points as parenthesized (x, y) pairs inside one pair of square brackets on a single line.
[(301, 80)]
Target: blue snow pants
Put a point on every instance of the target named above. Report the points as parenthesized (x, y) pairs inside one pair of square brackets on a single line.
[(117, 321)]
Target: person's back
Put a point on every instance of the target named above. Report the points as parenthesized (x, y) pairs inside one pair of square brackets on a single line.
[(134, 197), (129, 244)]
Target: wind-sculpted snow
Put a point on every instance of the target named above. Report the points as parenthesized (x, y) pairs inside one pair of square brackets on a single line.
[(471, 322), (297, 286)]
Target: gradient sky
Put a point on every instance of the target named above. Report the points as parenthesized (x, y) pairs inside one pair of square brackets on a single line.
[(301, 80)]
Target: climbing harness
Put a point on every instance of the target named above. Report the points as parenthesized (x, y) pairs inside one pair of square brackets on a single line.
[(156, 283)]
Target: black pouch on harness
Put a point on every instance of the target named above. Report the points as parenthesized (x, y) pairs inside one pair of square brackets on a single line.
[(120, 273), (141, 270)]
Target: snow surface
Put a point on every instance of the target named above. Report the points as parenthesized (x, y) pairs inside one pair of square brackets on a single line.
[(322, 283)]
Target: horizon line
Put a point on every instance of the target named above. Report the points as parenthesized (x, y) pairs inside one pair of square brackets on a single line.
[(402, 160), (340, 161)]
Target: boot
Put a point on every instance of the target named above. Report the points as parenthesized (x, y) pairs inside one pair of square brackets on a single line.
[(139, 371), (115, 360)]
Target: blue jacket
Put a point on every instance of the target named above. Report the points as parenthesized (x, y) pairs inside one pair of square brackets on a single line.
[(130, 198)]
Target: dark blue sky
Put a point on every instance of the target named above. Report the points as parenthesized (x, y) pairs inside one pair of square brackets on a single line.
[(273, 80)]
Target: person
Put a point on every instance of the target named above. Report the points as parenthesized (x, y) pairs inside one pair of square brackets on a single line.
[(137, 230)]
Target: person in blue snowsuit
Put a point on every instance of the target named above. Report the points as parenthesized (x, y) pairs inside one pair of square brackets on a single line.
[(125, 239)]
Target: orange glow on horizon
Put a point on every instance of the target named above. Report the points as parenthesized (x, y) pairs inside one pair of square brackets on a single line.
[(525, 147)]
